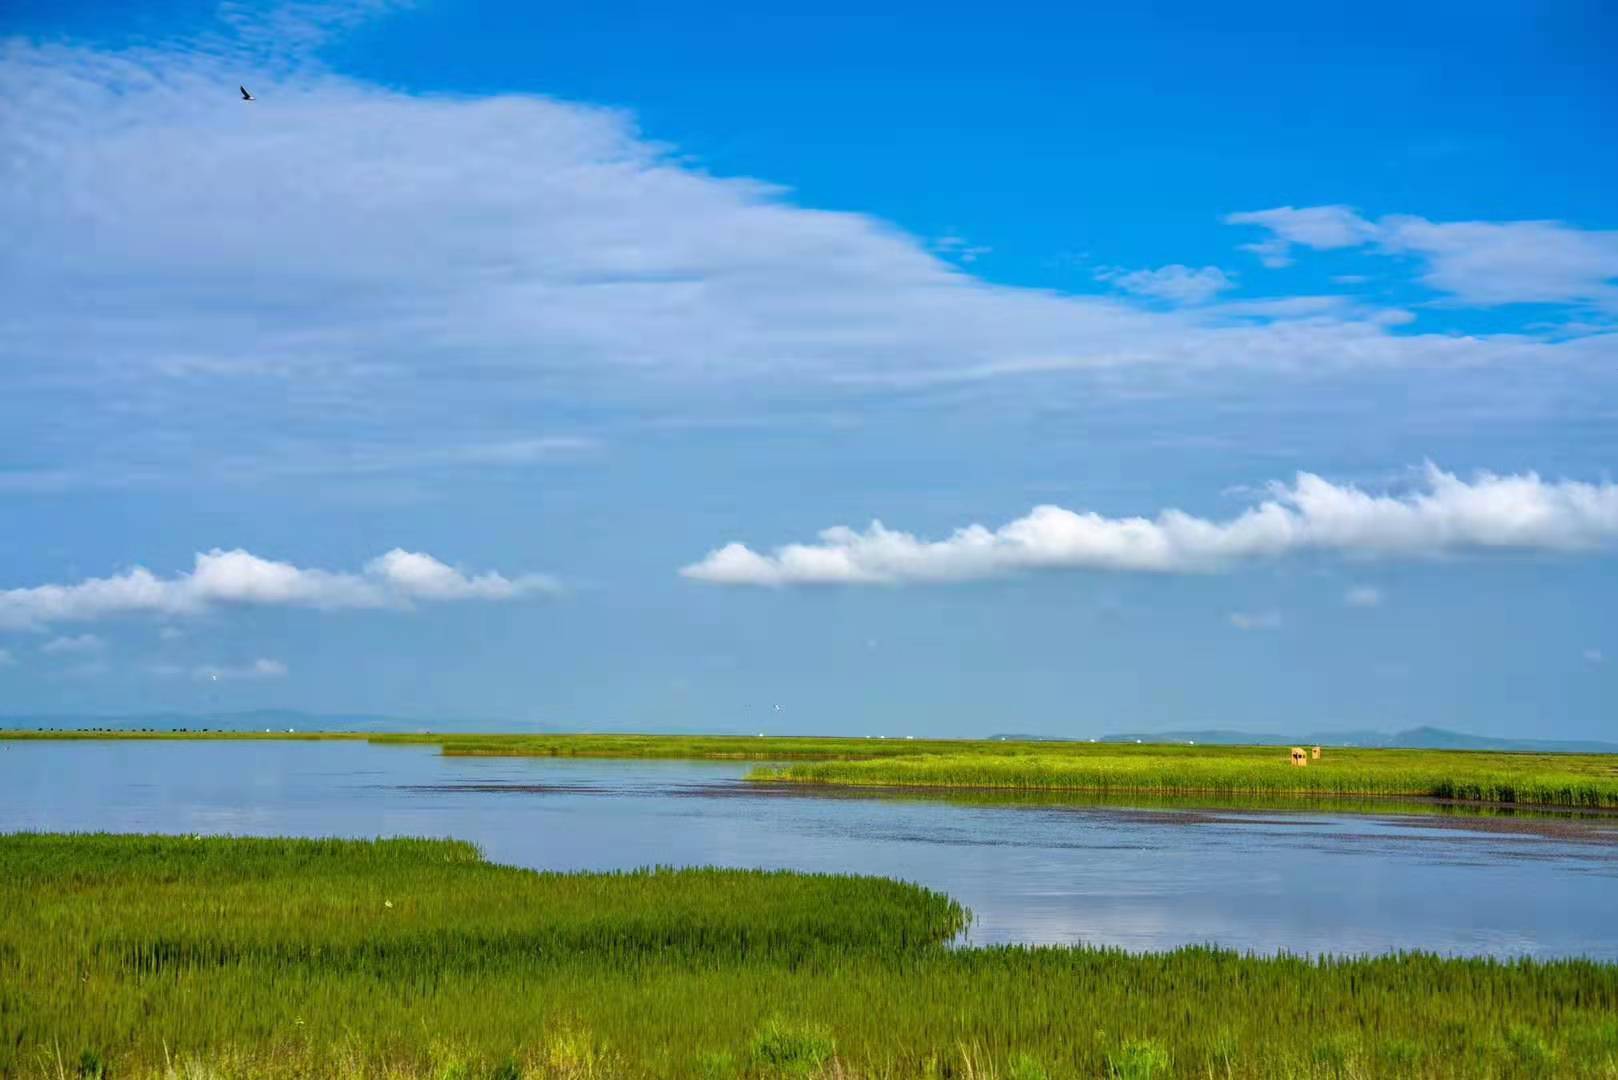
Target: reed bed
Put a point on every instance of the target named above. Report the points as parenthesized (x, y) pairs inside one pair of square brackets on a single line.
[(1561, 780), (177, 957), (686, 747)]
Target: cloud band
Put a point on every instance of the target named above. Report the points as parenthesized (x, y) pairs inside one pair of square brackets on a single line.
[(1448, 514), (397, 579)]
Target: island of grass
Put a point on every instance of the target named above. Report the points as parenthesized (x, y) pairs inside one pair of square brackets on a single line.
[(179, 957), (1210, 775), (1577, 781), (1214, 773)]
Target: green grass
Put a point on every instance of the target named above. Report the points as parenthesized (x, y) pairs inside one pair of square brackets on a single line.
[(685, 747), (1588, 781), (138, 956)]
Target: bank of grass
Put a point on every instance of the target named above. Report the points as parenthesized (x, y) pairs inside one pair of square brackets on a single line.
[(1588, 781), (1212, 773), (685, 747), (139, 956)]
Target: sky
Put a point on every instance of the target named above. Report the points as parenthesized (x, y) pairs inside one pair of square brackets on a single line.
[(938, 372)]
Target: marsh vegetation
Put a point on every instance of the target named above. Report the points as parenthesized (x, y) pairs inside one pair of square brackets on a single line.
[(1582, 781), (131, 956)]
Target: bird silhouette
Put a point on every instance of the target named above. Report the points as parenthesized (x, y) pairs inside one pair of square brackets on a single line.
[(245, 95)]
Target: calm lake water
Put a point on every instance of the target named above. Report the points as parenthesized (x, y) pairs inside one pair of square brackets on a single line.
[(1300, 881)]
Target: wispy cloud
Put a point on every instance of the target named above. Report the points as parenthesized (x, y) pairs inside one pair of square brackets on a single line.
[(307, 459), (1255, 620), (219, 578), (1446, 514), (1479, 262), (250, 275), (1595, 656), (292, 29), (1318, 227), (1363, 596), (958, 247), (6, 659), (258, 669), (262, 668), (82, 643), (1176, 284)]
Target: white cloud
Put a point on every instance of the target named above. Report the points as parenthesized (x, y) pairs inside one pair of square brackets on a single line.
[(1175, 283), (1319, 227), (297, 27), (316, 254), (83, 643), (1446, 514), (170, 633), (1479, 262), (422, 577), (310, 460), (258, 669), (958, 247), (6, 659), (224, 578), (1363, 596), (1595, 656), (1259, 620), (1489, 263)]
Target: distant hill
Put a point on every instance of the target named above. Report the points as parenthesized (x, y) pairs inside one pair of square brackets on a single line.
[(259, 720), (1420, 738)]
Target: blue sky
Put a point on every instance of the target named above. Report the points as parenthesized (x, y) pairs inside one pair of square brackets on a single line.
[(599, 318)]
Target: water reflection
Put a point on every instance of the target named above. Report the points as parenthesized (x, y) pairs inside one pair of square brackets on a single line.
[(1301, 878)]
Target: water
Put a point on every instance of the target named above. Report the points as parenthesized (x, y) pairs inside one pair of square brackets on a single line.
[(1300, 881)]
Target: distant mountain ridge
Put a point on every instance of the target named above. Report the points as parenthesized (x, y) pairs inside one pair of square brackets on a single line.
[(1418, 738), (260, 720), (297, 720)]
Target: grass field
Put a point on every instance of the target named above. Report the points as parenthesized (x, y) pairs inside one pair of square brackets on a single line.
[(1215, 774), (137, 956)]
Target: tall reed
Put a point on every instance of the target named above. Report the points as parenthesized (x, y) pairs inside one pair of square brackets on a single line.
[(132, 956)]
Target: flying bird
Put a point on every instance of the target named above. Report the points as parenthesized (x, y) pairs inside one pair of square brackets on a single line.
[(245, 95)]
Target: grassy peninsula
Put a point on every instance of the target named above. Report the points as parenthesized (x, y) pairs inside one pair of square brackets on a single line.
[(1580, 781), (180, 957), (1215, 774)]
